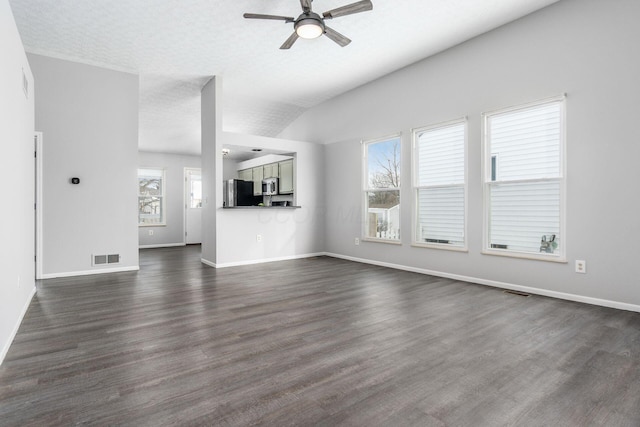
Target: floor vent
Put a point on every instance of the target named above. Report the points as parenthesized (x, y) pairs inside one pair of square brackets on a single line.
[(106, 259), (522, 294)]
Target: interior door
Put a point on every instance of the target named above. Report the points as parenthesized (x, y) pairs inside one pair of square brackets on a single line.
[(193, 206)]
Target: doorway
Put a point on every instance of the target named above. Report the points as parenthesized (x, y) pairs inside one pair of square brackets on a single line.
[(193, 206)]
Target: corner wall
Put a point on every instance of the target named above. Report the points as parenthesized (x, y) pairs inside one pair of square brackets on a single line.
[(17, 169), (211, 123), (89, 119), (285, 233), (580, 47)]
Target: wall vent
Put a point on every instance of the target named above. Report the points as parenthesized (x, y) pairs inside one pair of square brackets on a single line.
[(105, 259), (512, 292)]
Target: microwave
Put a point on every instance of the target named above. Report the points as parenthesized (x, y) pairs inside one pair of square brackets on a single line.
[(269, 186)]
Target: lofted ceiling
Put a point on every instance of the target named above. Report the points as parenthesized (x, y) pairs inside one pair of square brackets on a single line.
[(176, 46)]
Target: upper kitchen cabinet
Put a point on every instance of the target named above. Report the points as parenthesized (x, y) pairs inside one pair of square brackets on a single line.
[(247, 175), (286, 176), (257, 180), (271, 171)]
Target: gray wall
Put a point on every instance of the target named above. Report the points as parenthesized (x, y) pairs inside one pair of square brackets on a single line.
[(173, 164), (286, 233), (89, 118), (211, 124), (582, 47), (17, 269)]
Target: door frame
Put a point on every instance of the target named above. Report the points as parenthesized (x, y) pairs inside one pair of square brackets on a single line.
[(185, 200), (38, 154)]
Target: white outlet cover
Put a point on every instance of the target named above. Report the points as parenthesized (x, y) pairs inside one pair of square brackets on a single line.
[(581, 266)]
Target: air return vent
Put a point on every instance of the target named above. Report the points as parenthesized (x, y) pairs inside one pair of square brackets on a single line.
[(105, 259), (522, 294)]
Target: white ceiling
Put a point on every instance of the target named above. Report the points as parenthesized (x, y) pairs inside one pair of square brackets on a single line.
[(176, 45)]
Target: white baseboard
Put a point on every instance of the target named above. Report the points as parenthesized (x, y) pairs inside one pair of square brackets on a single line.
[(7, 345), (261, 261), (89, 272), (162, 245), (537, 291), (207, 262)]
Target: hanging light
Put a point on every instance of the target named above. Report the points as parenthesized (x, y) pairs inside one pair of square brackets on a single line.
[(309, 27)]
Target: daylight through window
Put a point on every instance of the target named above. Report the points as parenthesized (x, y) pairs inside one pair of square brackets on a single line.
[(151, 197), (382, 189)]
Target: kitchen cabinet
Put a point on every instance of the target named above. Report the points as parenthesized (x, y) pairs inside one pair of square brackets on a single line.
[(271, 171), (245, 175), (257, 180), (286, 177)]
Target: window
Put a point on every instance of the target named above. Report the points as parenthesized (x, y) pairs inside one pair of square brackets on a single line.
[(439, 185), (382, 189), (151, 197), (195, 190), (524, 180)]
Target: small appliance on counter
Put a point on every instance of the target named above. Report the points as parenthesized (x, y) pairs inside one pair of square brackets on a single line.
[(238, 193), (270, 186)]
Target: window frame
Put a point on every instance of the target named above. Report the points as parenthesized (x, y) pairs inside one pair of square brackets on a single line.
[(365, 189), (416, 187), (163, 207), (487, 155)]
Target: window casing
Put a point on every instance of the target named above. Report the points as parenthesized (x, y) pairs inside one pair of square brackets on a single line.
[(151, 197), (524, 181), (381, 189), (439, 182)]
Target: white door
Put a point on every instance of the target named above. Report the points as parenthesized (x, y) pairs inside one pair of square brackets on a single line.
[(193, 206)]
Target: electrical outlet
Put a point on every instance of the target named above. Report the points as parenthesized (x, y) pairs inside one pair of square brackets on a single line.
[(258, 237), (581, 266), (357, 241), (150, 232)]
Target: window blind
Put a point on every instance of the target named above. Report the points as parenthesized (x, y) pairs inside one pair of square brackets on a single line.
[(440, 185)]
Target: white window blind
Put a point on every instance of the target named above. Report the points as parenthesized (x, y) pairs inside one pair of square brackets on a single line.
[(524, 179), (440, 184)]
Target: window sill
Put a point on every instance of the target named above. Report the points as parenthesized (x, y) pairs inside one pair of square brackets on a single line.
[(373, 240), (152, 225), (530, 256), (442, 247)]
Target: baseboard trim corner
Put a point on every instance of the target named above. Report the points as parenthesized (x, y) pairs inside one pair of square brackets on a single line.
[(162, 245), (90, 272), (263, 260), (207, 262), (25, 308), (502, 285)]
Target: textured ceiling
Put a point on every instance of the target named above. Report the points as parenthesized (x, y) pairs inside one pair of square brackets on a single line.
[(176, 46)]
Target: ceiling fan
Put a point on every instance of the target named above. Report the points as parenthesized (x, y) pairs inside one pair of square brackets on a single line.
[(310, 25)]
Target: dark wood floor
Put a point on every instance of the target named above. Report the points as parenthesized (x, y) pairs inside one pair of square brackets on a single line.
[(313, 342)]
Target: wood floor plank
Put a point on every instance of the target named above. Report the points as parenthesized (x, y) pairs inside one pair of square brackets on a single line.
[(316, 341)]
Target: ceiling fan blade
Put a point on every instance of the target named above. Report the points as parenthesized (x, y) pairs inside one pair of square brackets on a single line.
[(274, 17), (336, 36), (290, 41), (306, 5), (350, 9)]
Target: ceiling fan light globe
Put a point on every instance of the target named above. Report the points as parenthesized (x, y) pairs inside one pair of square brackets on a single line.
[(309, 29)]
